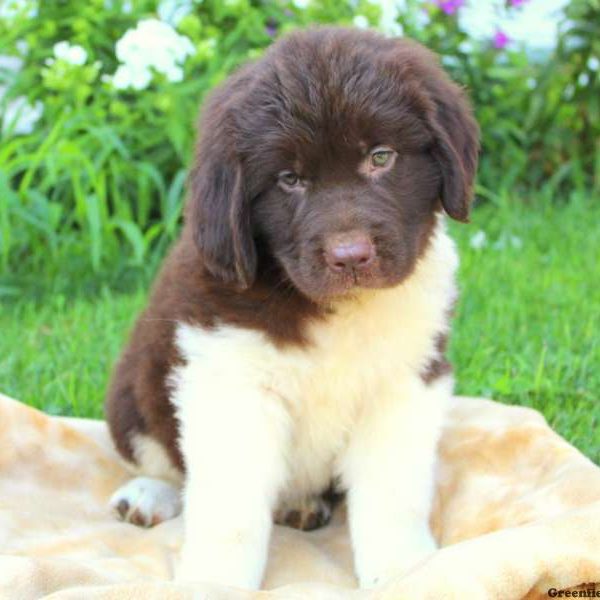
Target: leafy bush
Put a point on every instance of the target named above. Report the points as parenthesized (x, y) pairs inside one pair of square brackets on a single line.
[(566, 123), (539, 114), (99, 100)]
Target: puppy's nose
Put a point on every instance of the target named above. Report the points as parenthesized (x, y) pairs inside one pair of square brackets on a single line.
[(346, 251)]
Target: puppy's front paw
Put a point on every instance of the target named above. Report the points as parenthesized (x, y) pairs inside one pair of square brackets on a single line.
[(305, 514), (146, 501)]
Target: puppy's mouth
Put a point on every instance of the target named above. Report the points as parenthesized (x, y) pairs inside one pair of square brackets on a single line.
[(347, 280), (348, 284), (322, 285)]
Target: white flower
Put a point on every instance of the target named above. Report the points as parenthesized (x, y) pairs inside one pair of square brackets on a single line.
[(361, 21), (13, 8), (73, 54), (478, 240), (173, 11), (9, 67), (20, 117), (127, 76), (593, 64), (390, 10), (10, 63), (422, 18), (22, 47), (536, 25), (450, 61), (531, 83), (466, 47), (151, 45), (175, 74), (583, 79), (301, 4), (152, 41), (395, 29)]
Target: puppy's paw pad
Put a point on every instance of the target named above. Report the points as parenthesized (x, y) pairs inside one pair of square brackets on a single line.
[(307, 514), (146, 502)]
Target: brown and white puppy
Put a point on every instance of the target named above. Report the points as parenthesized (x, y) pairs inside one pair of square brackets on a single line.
[(295, 335)]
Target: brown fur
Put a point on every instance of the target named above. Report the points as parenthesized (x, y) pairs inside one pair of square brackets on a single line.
[(438, 364), (251, 251)]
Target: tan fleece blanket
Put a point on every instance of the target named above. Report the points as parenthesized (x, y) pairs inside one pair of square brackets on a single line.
[(517, 514)]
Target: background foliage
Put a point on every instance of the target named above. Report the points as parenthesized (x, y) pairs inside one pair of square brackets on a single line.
[(101, 174)]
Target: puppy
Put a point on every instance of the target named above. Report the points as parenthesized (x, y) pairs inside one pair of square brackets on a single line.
[(294, 340)]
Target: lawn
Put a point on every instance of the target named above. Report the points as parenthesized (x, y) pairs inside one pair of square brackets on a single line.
[(526, 329)]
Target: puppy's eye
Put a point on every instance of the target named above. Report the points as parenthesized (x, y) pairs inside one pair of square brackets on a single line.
[(289, 179), (381, 157)]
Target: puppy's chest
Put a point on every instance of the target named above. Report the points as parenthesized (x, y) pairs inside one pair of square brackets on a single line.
[(350, 360), (366, 354)]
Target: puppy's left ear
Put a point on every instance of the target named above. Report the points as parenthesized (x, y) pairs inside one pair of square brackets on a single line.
[(218, 209), (456, 145)]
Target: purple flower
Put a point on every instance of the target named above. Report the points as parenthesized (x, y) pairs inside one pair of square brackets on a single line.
[(450, 7), (516, 3), (271, 29), (501, 40)]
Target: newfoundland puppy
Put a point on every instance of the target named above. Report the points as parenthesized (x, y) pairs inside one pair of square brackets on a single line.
[(293, 345)]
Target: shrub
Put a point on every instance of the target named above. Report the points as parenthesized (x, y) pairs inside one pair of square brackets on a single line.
[(565, 121), (99, 98), (539, 112)]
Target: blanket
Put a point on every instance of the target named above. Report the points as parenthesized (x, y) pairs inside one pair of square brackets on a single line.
[(517, 515)]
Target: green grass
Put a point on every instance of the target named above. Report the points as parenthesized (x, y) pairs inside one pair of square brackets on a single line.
[(56, 354), (526, 330)]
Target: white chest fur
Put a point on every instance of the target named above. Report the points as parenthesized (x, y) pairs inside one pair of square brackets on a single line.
[(260, 424), (379, 341)]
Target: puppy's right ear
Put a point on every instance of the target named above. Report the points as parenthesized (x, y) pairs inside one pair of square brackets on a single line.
[(449, 117), (218, 210), (456, 145)]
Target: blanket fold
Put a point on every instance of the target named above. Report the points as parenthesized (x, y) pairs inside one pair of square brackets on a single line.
[(517, 515)]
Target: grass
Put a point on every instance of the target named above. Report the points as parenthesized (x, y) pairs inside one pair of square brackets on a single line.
[(526, 329), (528, 322)]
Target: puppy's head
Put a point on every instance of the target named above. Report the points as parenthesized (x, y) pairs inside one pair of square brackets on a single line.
[(331, 157)]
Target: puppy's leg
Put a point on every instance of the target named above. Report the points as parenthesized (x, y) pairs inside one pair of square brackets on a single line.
[(234, 439), (389, 471)]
